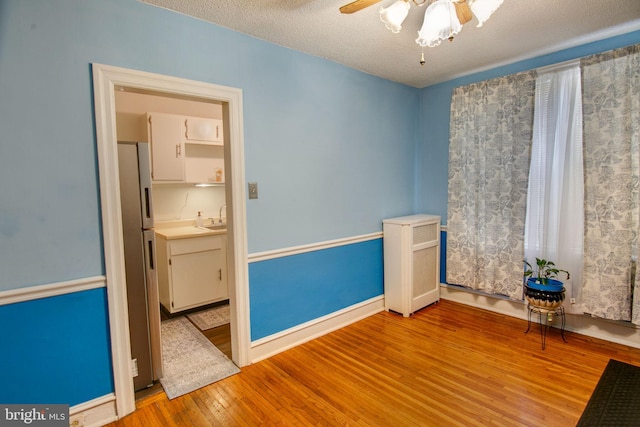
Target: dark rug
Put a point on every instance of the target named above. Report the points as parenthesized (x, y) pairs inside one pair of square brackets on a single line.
[(616, 399)]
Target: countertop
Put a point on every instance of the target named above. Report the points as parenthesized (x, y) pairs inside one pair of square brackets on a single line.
[(186, 232)]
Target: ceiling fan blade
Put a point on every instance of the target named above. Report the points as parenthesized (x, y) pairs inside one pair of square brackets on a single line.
[(463, 11), (357, 5)]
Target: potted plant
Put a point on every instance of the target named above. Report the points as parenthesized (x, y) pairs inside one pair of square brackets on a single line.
[(543, 289)]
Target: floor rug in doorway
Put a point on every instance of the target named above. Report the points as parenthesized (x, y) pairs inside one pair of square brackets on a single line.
[(616, 399), (190, 361), (210, 318)]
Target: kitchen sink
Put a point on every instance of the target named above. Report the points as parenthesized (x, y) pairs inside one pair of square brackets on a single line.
[(215, 226)]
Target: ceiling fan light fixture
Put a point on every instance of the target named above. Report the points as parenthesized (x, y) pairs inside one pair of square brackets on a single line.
[(394, 15), (440, 23), (483, 9)]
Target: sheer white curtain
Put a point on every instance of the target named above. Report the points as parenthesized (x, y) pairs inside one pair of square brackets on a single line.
[(555, 203), (489, 147), (582, 206)]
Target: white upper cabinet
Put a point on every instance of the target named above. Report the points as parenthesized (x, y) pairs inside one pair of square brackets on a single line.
[(186, 149), (167, 147), (204, 131)]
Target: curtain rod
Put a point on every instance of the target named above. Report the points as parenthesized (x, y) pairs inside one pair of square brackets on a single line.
[(559, 66)]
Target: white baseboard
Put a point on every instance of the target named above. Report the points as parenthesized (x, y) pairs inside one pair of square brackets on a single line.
[(483, 301), (277, 343), (94, 413), (617, 332)]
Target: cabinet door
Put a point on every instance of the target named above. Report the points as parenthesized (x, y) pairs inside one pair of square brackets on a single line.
[(194, 276), (198, 272), (204, 131), (222, 287), (167, 147), (425, 288)]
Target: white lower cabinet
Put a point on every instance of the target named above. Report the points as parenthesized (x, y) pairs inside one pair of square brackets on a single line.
[(192, 272)]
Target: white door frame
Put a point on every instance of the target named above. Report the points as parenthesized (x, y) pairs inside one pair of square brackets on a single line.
[(105, 80)]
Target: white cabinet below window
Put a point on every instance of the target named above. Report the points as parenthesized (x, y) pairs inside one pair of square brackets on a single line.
[(192, 272)]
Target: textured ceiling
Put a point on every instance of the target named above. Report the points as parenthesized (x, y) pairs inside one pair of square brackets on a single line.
[(519, 29)]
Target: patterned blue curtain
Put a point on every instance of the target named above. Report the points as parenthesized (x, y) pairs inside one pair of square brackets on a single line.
[(611, 110), (489, 154)]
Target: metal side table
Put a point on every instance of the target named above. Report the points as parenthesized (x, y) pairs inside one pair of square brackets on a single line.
[(548, 317)]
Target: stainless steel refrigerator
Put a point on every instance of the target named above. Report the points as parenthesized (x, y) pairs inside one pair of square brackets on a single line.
[(140, 263)]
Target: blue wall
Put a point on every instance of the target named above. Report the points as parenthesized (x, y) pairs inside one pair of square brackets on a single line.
[(331, 148), (433, 148), (55, 350), (349, 274), (334, 152)]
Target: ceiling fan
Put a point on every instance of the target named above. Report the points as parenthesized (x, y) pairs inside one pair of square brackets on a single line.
[(443, 19), (462, 8)]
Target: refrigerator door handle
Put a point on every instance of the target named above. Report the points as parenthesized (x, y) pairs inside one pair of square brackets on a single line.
[(149, 252), (151, 263), (153, 304), (144, 170)]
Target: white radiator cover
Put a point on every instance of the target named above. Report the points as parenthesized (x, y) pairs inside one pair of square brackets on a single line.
[(411, 246)]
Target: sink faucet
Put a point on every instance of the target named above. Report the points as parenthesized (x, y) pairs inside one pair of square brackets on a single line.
[(220, 213)]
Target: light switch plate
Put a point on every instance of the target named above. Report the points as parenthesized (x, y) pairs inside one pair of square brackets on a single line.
[(253, 190)]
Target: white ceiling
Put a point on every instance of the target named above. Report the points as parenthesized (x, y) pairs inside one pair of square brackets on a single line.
[(519, 29)]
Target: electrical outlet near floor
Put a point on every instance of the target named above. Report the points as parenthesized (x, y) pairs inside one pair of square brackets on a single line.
[(134, 367), (572, 300)]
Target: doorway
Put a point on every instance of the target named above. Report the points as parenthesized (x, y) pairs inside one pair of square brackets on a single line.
[(174, 205), (107, 80)]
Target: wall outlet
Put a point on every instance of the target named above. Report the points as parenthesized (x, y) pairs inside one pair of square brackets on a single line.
[(134, 367), (572, 300), (253, 190)]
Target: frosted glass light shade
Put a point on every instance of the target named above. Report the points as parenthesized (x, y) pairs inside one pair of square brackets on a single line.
[(440, 23), (483, 9), (394, 15)]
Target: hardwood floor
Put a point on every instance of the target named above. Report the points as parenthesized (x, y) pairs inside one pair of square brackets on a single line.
[(221, 338), (447, 365)]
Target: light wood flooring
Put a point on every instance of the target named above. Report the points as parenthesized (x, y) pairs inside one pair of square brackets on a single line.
[(447, 365)]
